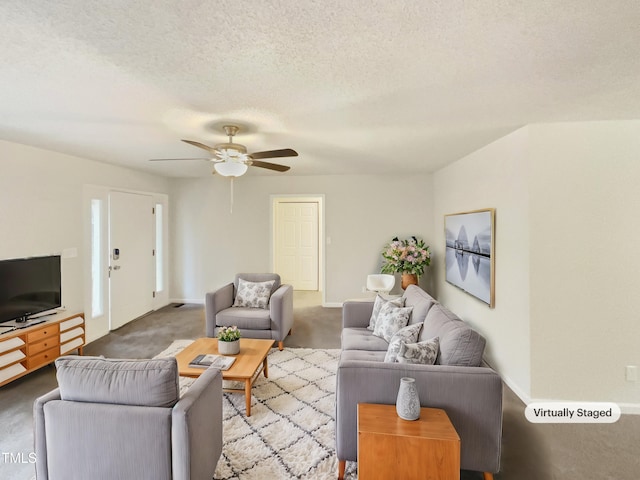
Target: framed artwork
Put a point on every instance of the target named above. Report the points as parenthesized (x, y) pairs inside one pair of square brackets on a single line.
[(470, 252)]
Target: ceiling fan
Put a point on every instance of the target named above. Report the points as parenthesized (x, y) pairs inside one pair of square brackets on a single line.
[(232, 160)]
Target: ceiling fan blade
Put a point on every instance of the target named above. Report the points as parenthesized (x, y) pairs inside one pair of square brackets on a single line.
[(285, 152), (201, 145), (270, 166), (169, 159)]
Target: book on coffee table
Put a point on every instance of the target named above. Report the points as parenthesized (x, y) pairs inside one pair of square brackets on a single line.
[(211, 360)]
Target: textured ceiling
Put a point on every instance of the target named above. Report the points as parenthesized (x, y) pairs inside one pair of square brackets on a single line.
[(354, 86)]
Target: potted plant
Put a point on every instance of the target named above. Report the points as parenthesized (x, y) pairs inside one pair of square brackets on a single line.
[(409, 257), (229, 340)]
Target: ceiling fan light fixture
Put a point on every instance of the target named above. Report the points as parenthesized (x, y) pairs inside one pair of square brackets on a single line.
[(231, 148), (231, 169), (231, 155)]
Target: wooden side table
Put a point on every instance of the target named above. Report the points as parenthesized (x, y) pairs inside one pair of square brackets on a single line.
[(390, 447)]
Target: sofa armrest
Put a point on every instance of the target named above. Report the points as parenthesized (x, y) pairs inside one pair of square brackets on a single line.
[(471, 396), (196, 428), (281, 311), (39, 438), (215, 302), (356, 314)]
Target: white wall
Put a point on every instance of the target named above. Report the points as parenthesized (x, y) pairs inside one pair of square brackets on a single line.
[(585, 260), (565, 323), (493, 177), (41, 195), (362, 213)]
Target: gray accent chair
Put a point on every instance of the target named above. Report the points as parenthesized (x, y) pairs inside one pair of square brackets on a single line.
[(459, 383), (124, 419), (274, 322)]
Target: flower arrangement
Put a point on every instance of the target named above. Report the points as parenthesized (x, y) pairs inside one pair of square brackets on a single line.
[(406, 256), (228, 334)]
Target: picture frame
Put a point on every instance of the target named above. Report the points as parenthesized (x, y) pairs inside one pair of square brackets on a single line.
[(470, 253)]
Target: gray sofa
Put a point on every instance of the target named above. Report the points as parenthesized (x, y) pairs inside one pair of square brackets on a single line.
[(469, 391), (274, 322), (124, 419)]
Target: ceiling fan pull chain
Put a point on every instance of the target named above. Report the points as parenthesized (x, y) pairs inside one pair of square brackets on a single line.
[(231, 199)]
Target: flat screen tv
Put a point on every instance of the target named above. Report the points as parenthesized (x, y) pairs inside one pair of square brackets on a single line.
[(29, 286)]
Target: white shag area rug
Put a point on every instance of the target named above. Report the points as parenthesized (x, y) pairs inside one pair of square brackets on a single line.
[(291, 430)]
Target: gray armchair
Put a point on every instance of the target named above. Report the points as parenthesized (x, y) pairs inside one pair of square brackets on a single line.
[(124, 419), (274, 322)]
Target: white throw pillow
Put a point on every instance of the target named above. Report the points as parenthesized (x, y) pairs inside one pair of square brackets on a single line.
[(253, 294), (390, 320), (377, 305), (407, 334), (424, 353)]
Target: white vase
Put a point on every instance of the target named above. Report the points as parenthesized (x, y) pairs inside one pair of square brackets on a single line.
[(408, 403), (229, 348)]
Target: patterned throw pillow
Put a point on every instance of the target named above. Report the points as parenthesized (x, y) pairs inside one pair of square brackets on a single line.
[(377, 305), (404, 335), (424, 353), (390, 320), (253, 294)]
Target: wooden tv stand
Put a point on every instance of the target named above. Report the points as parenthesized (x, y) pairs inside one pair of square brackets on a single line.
[(33, 345)]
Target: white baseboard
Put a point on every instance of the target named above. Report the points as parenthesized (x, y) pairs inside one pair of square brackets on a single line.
[(199, 301), (95, 336), (630, 408), (332, 304), (521, 394), (625, 408)]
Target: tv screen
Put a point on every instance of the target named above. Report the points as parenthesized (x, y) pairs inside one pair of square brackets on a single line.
[(29, 286)]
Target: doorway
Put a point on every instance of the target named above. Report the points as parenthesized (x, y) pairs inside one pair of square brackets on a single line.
[(135, 223), (131, 256), (297, 251)]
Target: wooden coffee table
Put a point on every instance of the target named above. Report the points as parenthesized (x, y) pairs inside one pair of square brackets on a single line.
[(250, 362)]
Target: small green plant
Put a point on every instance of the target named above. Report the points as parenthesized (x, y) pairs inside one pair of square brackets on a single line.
[(228, 334)]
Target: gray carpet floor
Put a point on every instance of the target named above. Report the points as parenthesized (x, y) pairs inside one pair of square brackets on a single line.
[(530, 451)]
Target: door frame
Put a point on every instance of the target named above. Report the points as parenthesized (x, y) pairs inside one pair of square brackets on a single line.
[(277, 199), (98, 326)]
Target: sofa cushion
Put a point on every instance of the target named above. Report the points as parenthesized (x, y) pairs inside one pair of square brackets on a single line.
[(421, 302), (459, 344), (244, 318), (391, 319), (253, 294), (377, 305), (151, 383), (362, 339), (408, 334), (423, 353), (362, 355)]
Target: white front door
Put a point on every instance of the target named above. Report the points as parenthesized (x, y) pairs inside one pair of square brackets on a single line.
[(296, 248), (131, 259)]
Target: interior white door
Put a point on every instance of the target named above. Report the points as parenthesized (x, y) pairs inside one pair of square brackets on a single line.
[(131, 260), (297, 244)]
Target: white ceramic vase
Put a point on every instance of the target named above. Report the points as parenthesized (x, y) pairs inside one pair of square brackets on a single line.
[(408, 403), (229, 348)]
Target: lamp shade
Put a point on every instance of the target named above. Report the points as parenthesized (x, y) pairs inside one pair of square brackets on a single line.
[(231, 169)]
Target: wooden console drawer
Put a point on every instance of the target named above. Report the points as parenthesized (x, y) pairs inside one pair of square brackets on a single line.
[(42, 333), (35, 348), (47, 356), (28, 348)]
